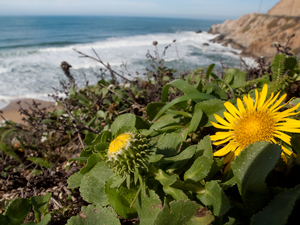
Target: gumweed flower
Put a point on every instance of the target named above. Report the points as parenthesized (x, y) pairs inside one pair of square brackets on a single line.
[(254, 121), (128, 153)]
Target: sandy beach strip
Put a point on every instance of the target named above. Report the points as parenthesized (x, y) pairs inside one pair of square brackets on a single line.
[(11, 111)]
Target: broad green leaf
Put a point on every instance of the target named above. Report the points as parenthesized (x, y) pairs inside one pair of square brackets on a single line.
[(214, 198), (202, 165), (148, 206), (180, 212), (164, 121), (92, 161), (250, 169), (279, 209), (95, 215), (182, 85), (195, 119), (215, 90), (141, 123), (209, 108), (5, 220), (235, 78), (120, 199), (40, 205), (103, 137), (127, 120), (202, 217), (180, 160), (93, 184), (89, 138), (193, 96), (165, 179), (153, 108), (169, 144), (45, 221), (41, 161), (177, 194), (74, 180), (18, 209)]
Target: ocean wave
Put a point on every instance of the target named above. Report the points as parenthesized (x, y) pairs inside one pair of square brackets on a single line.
[(36, 71)]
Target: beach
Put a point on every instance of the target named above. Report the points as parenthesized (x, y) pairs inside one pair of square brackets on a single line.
[(11, 111)]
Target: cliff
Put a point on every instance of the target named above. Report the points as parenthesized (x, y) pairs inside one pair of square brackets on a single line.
[(256, 33), (286, 8)]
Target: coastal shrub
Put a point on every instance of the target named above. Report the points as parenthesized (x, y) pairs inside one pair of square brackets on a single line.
[(186, 155)]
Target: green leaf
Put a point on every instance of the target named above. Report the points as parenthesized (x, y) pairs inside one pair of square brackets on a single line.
[(127, 120), (120, 199), (277, 66), (193, 96), (180, 160), (165, 121), (153, 108), (45, 121), (41, 161), (5, 133), (202, 165), (209, 70), (148, 206), (215, 90), (165, 179), (169, 145), (74, 180), (202, 217), (18, 209), (182, 85), (279, 209), (93, 184), (235, 78), (5, 220), (92, 160), (209, 108), (9, 151), (45, 221), (40, 205), (95, 215), (195, 119), (177, 194), (180, 212), (250, 169), (89, 138), (103, 137), (215, 198)]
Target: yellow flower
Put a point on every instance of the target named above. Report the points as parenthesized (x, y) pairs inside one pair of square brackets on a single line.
[(120, 143), (256, 121)]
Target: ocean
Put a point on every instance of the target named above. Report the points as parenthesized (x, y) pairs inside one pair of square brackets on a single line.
[(33, 47)]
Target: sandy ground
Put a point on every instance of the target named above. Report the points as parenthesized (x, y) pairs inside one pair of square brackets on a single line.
[(11, 112)]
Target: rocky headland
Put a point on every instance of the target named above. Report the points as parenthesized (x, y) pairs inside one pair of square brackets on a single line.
[(255, 34)]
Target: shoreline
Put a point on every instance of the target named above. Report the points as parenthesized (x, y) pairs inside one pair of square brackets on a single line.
[(11, 110)]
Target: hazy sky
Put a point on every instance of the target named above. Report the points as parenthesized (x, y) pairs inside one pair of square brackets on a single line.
[(206, 9)]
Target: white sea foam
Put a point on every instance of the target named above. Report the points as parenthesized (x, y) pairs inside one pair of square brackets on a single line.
[(33, 72)]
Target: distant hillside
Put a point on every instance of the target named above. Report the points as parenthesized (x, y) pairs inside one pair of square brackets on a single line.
[(286, 8), (256, 33)]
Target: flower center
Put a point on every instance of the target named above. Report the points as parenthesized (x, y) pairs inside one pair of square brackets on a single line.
[(119, 143), (254, 126)]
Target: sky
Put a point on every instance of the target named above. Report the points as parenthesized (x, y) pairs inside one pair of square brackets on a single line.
[(198, 9)]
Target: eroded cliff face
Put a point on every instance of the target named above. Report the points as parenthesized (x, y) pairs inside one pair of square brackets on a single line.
[(256, 34)]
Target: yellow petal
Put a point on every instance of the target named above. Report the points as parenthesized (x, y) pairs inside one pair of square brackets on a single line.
[(273, 108), (262, 96), (229, 117), (229, 157), (231, 109), (220, 135), (216, 125), (286, 138), (240, 106), (223, 151), (223, 141), (221, 120)]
